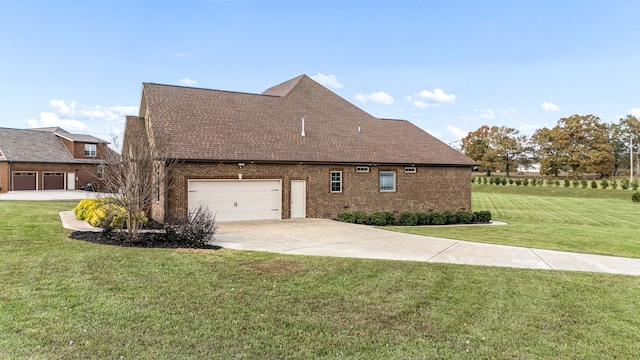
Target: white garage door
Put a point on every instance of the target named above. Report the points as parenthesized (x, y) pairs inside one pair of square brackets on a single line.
[(238, 200)]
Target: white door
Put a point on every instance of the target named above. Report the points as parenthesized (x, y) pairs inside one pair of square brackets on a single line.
[(298, 199), (71, 181), (237, 200)]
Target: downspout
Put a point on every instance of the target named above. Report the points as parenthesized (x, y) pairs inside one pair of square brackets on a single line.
[(10, 178)]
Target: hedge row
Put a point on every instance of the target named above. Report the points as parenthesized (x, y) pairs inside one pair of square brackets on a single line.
[(103, 212), (385, 218), (575, 183)]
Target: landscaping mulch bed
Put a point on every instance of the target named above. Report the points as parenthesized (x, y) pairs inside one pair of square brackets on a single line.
[(145, 240)]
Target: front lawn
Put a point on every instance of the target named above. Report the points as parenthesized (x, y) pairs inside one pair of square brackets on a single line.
[(595, 221), (67, 299)]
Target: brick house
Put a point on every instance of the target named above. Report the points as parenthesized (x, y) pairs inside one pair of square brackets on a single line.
[(296, 150), (49, 159)]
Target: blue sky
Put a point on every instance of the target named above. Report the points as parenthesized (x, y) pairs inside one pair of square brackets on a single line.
[(447, 66)]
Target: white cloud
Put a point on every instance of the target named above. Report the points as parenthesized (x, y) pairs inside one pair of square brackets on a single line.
[(457, 132), (435, 133), (61, 107), (379, 97), (101, 121), (428, 98), (49, 119), (635, 112), (547, 106), (437, 95), (487, 114), (327, 80), (188, 82)]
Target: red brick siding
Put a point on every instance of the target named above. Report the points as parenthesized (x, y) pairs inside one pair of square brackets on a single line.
[(85, 173), (430, 188)]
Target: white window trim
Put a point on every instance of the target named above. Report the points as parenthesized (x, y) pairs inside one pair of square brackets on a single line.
[(331, 181), (380, 181), (90, 150)]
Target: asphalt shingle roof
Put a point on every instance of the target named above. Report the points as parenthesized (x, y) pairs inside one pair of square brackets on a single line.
[(202, 124), (35, 146)]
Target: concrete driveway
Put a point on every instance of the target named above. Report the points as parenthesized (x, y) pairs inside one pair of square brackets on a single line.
[(323, 237), (39, 195)]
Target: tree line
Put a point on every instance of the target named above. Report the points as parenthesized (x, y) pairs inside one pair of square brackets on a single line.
[(579, 144)]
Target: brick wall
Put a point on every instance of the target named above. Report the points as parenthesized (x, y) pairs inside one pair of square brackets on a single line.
[(85, 173), (430, 188)]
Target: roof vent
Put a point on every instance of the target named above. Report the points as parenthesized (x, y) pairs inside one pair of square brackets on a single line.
[(302, 133)]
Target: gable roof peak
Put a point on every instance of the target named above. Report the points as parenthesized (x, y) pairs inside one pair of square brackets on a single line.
[(285, 88)]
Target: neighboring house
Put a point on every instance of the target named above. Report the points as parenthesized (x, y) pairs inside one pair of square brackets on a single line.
[(296, 150), (49, 159)]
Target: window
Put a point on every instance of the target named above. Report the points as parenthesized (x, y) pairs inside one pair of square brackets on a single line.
[(336, 181), (387, 181), (410, 170), (89, 149), (362, 169), (100, 172)]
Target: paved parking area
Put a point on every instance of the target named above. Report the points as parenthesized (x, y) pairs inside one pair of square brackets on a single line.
[(324, 237)]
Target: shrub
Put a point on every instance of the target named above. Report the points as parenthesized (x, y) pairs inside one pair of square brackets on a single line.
[(438, 218), (423, 218), (557, 183), (482, 216), (583, 183), (104, 212), (382, 218), (636, 196), (464, 217), (408, 219), (473, 179), (604, 183), (567, 183), (634, 185), (449, 217), (594, 184), (84, 208), (575, 183), (484, 180), (195, 232), (525, 182), (549, 182), (614, 184), (510, 181), (624, 184), (354, 217), (534, 182), (518, 182)]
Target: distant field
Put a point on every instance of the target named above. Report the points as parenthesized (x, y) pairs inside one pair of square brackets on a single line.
[(597, 221)]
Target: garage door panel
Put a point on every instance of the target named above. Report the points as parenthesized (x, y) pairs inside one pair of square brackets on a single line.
[(53, 181), (238, 200), (24, 180)]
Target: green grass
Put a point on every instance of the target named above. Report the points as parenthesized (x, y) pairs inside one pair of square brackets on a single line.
[(67, 299), (597, 221)]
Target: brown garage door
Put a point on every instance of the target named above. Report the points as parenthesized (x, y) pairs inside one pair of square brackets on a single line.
[(53, 181), (24, 180)]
